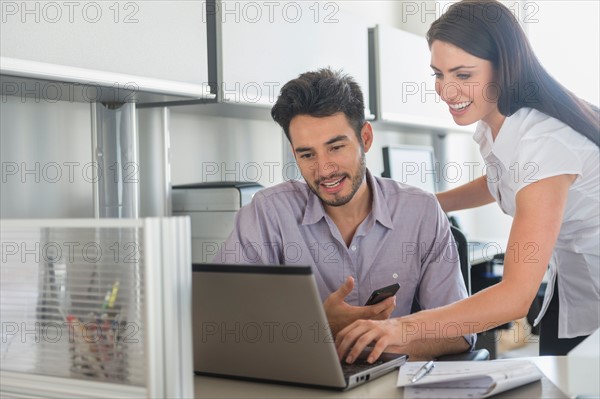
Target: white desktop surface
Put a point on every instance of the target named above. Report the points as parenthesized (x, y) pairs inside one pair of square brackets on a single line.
[(553, 367)]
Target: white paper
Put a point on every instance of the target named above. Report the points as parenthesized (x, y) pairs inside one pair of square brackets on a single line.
[(476, 379)]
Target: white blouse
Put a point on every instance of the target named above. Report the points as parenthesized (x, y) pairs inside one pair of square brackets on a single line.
[(532, 146)]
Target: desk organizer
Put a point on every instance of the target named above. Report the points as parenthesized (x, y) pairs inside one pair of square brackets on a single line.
[(88, 308)]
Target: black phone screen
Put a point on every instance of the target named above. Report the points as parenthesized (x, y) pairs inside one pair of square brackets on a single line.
[(382, 293)]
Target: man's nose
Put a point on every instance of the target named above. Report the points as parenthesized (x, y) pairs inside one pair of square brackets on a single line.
[(327, 166), (324, 168)]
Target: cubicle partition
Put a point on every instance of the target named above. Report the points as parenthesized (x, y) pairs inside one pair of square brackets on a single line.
[(96, 308)]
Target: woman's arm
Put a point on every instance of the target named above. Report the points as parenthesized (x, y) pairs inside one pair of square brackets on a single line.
[(470, 195), (535, 228)]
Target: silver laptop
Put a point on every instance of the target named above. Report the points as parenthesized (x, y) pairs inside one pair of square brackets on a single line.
[(268, 323)]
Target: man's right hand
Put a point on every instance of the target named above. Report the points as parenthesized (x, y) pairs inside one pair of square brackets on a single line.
[(340, 314)]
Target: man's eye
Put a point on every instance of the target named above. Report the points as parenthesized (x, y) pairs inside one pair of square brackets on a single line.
[(336, 147), (305, 156)]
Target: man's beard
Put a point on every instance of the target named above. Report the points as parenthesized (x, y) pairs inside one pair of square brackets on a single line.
[(357, 180)]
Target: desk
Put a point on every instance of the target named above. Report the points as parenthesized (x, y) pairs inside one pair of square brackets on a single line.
[(553, 367)]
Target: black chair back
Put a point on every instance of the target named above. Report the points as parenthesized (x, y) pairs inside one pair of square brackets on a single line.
[(463, 255)]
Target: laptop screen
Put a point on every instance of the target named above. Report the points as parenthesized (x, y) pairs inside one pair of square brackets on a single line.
[(265, 322)]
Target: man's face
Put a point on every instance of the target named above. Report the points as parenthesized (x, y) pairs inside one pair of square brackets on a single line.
[(329, 155)]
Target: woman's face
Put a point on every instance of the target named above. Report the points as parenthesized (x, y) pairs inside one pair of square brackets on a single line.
[(467, 84)]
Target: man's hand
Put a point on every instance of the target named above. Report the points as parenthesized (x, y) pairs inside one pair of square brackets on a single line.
[(340, 314)]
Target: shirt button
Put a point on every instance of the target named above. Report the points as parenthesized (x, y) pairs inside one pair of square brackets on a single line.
[(395, 275), (353, 247)]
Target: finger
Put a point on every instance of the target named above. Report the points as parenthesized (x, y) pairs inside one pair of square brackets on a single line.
[(389, 310), (345, 288), (346, 337), (361, 343), (342, 342), (351, 338), (383, 307), (382, 316), (378, 349)]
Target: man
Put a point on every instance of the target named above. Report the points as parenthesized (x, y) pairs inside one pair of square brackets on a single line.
[(357, 231)]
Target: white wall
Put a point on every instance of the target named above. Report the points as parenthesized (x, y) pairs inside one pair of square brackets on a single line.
[(561, 30), (412, 16), (45, 153), (221, 142), (234, 140)]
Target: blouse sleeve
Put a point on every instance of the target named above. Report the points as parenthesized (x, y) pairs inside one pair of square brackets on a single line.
[(542, 157)]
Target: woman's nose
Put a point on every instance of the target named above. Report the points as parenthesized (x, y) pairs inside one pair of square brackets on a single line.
[(448, 91)]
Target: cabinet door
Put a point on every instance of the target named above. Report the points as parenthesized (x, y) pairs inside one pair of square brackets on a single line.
[(266, 44), (406, 88), (158, 46)]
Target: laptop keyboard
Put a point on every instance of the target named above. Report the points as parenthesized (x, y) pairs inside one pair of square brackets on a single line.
[(358, 366)]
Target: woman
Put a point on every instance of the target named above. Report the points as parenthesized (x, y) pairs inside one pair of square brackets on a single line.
[(540, 143)]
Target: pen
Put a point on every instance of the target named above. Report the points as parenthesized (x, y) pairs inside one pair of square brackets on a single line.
[(423, 371), (106, 299)]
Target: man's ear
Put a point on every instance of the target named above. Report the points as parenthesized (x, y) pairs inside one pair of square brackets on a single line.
[(366, 134)]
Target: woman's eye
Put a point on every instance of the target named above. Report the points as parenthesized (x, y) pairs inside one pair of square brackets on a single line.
[(463, 76), (437, 75)]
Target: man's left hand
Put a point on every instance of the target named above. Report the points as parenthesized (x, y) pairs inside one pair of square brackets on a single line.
[(340, 314)]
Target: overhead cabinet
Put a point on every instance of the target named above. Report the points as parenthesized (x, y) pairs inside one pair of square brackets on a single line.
[(405, 86), (120, 51), (266, 44)]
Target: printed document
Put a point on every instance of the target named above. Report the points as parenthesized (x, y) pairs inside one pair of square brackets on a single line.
[(476, 379)]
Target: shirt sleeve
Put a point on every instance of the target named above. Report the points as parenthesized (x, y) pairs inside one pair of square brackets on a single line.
[(441, 282), (255, 238), (542, 157)]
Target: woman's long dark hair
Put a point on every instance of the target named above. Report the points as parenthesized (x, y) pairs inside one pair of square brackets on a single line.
[(489, 30)]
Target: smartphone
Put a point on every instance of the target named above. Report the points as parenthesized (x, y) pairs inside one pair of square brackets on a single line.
[(382, 294)]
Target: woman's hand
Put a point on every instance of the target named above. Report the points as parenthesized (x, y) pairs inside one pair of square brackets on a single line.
[(352, 340)]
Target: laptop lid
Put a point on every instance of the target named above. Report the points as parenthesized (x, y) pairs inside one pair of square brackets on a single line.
[(268, 323)]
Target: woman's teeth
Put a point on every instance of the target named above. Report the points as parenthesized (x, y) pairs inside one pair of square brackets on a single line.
[(460, 106)]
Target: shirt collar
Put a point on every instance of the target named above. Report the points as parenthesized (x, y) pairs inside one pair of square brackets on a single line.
[(503, 147), (315, 211), (380, 209)]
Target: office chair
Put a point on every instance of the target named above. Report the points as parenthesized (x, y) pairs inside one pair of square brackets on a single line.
[(462, 247), (463, 256)]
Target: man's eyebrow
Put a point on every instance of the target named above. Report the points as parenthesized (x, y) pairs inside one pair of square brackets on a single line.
[(329, 142), (336, 139), (302, 149)]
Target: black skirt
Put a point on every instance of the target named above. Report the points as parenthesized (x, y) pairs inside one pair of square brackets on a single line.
[(550, 344)]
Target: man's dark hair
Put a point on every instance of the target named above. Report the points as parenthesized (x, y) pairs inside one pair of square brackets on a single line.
[(319, 94)]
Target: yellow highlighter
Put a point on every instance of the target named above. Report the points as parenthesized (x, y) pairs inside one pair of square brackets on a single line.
[(113, 295)]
